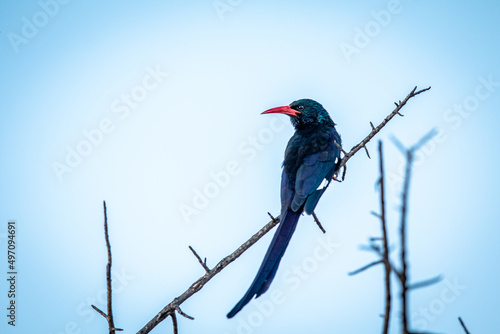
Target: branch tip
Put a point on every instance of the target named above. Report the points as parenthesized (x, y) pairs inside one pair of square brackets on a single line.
[(463, 325), (178, 309), (203, 263), (357, 271), (367, 153), (318, 223)]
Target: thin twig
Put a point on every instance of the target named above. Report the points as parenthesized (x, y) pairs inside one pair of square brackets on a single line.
[(203, 264), (463, 325), (425, 283), (109, 317), (99, 311), (402, 274), (318, 222), (178, 309), (385, 240), (404, 271), (367, 153), (357, 271), (339, 147), (374, 131)]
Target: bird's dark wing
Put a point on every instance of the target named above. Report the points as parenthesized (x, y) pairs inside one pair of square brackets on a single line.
[(313, 176)]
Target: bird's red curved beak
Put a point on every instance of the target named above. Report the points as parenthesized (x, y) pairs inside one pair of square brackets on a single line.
[(287, 110)]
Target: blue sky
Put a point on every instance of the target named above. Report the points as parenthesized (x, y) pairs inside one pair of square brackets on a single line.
[(148, 105)]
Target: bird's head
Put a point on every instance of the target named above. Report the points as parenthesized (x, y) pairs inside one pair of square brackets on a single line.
[(304, 113)]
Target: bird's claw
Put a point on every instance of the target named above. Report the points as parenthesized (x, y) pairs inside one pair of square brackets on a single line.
[(334, 178)]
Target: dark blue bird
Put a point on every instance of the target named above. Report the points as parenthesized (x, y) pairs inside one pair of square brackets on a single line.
[(311, 158)]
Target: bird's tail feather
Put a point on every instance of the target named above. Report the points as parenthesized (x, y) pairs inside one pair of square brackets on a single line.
[(271, 261)]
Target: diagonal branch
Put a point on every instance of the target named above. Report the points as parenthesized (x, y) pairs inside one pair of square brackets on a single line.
[(170, 309), (173, 306), (463, 325), (203, 263), (318, 223), (377, 129), (368, 266), (425, 283)]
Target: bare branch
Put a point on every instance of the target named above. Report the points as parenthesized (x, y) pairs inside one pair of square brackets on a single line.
[(318, 222), (402, 274), (203, 264), (99, 311), (463, 325), (399, 145), (385, 240), (367, 153), (403, 277), (273, 218), (357, 271), (425, 283), (109, 317), (431, 134), (169, 309), (174, 323), (178, 309), (374, 131), (339, 147)]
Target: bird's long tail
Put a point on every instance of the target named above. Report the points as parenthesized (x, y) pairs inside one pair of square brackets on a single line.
[(271, 261)]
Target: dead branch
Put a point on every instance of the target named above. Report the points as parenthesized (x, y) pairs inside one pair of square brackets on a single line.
[(318, 223), (463, 325), (368, 266), (377, 129), (203, 263), (426, 283), (109, 316), (381, 251), (385, 242), (402, 274), (173, 306)]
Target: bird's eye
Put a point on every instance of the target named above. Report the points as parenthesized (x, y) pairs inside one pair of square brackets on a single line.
[(300, 108)]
